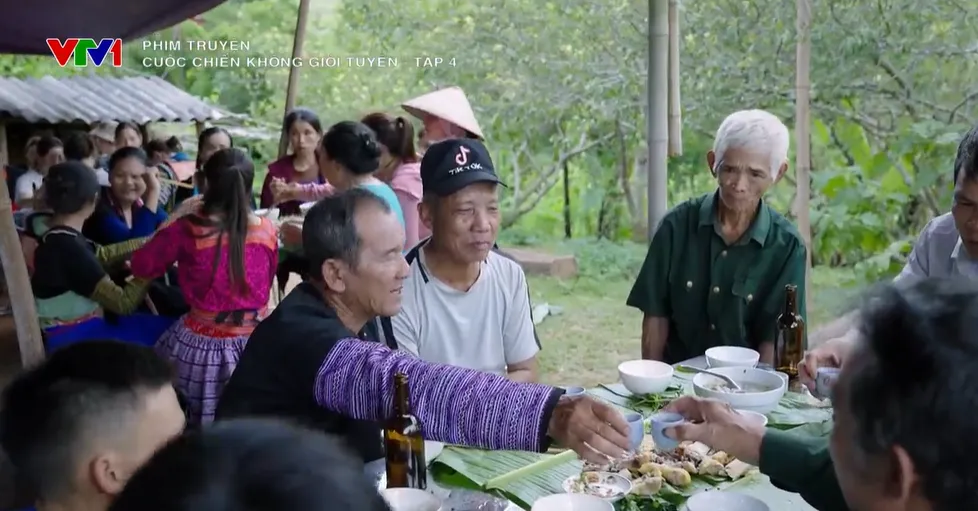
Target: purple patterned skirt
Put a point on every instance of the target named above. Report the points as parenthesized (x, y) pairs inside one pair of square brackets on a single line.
[(204, 355)]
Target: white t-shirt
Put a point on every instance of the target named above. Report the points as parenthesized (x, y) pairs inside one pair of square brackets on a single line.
[(26, 184), (103, 177), (486, 328)]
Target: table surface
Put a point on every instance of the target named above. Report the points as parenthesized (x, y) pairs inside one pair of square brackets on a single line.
[(455, 499)]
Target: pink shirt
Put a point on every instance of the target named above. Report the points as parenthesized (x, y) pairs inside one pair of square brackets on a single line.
[(202, 287)]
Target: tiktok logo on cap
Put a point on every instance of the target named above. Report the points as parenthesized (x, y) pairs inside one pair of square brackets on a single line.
[(463, 156)]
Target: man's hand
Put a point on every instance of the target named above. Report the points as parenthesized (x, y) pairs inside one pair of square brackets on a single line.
[(832, 353), (594, 430), (717, 425)]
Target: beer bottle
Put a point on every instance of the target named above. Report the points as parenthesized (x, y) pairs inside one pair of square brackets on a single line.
[(789, 341), (404, 445)]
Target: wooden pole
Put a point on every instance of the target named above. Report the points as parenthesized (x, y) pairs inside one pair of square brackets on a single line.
[(29, 339), (657, 104), (803, 149), (675, 105), (568, 230), (297, 43)]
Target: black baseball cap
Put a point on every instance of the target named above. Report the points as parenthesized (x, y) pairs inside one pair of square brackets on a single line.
[(450, 165)]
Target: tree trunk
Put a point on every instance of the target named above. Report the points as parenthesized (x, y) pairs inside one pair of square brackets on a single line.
[(675, 105), (802, 129), (15, 272), (657, 110), (299, 39)]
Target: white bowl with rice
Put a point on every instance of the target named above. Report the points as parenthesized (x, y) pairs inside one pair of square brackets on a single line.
[(760, 390)]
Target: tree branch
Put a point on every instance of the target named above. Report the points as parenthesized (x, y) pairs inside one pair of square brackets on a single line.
[(549, 179)]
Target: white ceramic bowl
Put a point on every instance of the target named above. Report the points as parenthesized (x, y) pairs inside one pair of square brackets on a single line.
[(732, 356), (410, 499), (571, 502), (754, 417), (761, 402), (715, 500), (645, 376), (270, 213)]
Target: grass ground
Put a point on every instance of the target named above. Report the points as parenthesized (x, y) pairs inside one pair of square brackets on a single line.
[(595, 331)]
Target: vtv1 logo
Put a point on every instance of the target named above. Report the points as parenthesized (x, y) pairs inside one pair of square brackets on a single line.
[(84, 49)]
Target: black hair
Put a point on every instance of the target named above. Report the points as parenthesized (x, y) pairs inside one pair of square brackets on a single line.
[(305, 115), (123, 126), (354, 146), (49, 411), (124, 153), (916, 373), (330, 231), (205, 135), (174, 145), (69, 187), (229, 175), (254, 465), (46, 144), (966, 160), (156, 146), (78, 146), (397, 135)]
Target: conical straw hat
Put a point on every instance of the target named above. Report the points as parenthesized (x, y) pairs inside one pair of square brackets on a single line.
[(449, 104)]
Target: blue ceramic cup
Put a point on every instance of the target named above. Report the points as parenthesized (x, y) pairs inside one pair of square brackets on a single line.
[(573, 391), (660, 423), (825, 378), (636, 429)]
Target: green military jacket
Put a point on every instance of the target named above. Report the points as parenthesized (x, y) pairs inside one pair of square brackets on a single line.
[(715, 293), (803, 466)]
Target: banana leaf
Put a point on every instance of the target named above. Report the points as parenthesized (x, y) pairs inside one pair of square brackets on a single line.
[(477, 469), (797, 410)]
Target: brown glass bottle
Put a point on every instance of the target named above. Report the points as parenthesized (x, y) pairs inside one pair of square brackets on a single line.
[(789, 340), (404, 445)]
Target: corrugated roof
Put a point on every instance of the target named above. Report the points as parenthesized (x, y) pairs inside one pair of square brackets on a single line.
[(92, 99)]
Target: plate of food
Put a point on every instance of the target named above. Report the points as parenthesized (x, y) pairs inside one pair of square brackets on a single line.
[(649, 469), (608, 486)]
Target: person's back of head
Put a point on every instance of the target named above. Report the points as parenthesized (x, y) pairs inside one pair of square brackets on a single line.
[(395, 134), (353, 146), (905, 435), (174, 145), (78, 146), (78, 425), (71, 188), (156, 151), (251, 465)]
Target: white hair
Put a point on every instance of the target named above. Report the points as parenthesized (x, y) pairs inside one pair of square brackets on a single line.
[(754, 130)]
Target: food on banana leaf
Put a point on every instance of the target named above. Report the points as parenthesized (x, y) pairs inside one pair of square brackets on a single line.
[(649, 469)]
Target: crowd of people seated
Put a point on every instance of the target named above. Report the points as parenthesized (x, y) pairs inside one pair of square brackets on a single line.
[(401, 274)]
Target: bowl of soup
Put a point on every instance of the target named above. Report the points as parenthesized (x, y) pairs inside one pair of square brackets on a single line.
[(760, 390)]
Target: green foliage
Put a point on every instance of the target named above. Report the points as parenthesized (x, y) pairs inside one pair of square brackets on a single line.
[(557, 84)]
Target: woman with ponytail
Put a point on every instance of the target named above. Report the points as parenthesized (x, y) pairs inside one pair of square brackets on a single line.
[(400, 167), (226, 257)]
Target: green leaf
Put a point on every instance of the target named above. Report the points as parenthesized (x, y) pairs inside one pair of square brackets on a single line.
[(473, 468)]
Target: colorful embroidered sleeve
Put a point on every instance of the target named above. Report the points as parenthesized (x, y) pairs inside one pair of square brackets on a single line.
[(454, 405), (313, 191), (159, 253), (111, 255), (121, 300)]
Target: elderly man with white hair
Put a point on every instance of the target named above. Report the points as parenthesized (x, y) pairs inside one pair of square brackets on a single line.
[(717, 267)]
